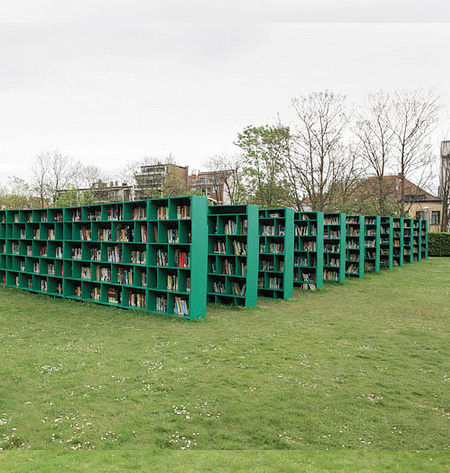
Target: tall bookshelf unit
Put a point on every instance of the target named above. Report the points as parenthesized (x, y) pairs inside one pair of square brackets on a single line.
[(387, 242), (408, 240), (139, 255), (334, 241), (424, 239), (2, 247), (397, 241), (354, 251), (308, 250), (417, 236), (233, 254), (372, 243), (276, 253)]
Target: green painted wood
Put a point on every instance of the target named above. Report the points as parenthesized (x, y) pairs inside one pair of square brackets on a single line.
[(372, 243), (275, 276), (229, 228), (417, 256), (397, 225), (107, 254), (354, 253), (308, 250), (387, 242), (334, 242), (407, 240), (424, 239)]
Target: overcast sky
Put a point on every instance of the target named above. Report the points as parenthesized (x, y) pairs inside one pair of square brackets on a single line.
[(109, 91)]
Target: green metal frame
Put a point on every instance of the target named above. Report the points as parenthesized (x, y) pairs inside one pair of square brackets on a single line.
[(308, 250), (228, 270), (386, 242), (108, 254), (372, 243), (276, 253), (354, 253), (334, 242)]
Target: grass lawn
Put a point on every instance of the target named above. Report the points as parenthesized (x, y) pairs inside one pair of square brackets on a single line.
[(363, 365)]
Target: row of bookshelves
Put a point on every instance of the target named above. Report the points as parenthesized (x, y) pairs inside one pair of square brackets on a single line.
[(145, 254)]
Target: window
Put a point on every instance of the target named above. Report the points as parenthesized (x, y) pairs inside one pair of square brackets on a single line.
[(436, 217), (420, 214)]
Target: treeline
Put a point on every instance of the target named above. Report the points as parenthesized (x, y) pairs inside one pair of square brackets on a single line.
[(332, 156)]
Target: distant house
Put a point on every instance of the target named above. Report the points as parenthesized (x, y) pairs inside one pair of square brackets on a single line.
[(212, 184), (419, 203), (153, 179)]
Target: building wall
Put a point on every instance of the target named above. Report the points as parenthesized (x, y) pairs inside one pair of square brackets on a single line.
[(428, 208)]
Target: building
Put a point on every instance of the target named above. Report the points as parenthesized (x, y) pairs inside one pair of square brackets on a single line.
[(212, 184), (155, 179), (444, 184)]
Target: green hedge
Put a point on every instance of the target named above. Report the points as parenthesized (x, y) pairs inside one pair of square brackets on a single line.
[(439, 244)]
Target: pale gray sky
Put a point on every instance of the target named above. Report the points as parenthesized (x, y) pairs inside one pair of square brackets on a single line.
[(108, 92)]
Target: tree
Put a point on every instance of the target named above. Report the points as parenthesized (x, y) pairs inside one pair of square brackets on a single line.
[(52, 173), (264, 152), (317, 163), (375, 138), (72, 197), (415, 117), (444, 188), (16, 194), (227, 171)]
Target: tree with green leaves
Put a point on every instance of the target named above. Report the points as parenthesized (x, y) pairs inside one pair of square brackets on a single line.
[(264, 153)]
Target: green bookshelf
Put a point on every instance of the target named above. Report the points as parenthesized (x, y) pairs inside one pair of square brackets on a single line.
[(407, 240), (386, 242), (424, 239), (334, 242), (417, 234), (308, 250), (397, 241), (372, 243), (233, 244), (134, 255), (354, 247), (276, 253)]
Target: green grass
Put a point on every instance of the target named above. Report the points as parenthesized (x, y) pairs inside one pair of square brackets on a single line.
[(363, 365)]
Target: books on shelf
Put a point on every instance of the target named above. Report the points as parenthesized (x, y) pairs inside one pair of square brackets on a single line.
[(125, 233), (173, 235), (138, 256), (181, 306), (85, 233), (162, 213), (113, 253), (115, 212), (125, 276), (183, 211), (239, 248), (136, 299), (162, 258), (172, 282), (161, 303), (139, 213), (114, 295), (182, 259), (85, 272)]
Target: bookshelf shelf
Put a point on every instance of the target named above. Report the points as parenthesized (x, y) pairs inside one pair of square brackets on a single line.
[(417, 235), (354, 246), (308, 250), (372, 225), (408, 240), (386, 242), (233, 255), (423, 239), (131, 255), (397, 241), (276, 253), (334, 243)]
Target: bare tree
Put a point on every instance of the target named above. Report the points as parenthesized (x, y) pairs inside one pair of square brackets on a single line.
[(227, 171), (415, 118), (52, 173), (375, 142), (316, 164), (444, 186)]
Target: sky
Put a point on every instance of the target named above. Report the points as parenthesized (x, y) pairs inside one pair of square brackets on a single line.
[(92, 82)]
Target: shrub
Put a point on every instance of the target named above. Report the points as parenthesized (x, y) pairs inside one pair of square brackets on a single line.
[(439, 244)]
